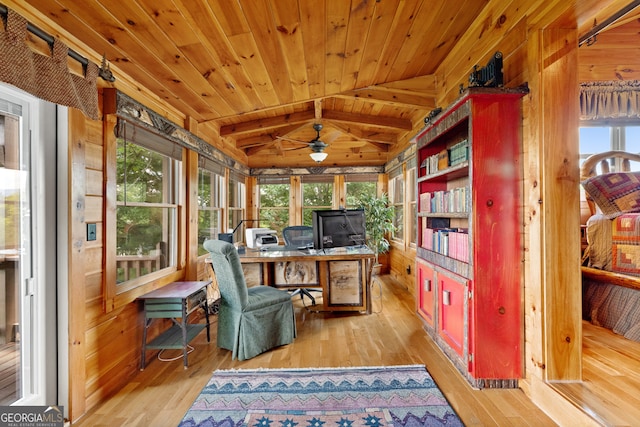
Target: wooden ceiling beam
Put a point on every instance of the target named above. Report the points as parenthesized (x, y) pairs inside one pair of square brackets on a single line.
[(317, 105), (369, 135), (268, 123), (265, 138), (381, 121)]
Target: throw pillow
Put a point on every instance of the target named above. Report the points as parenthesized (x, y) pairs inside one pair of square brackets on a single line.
[(615, 193)]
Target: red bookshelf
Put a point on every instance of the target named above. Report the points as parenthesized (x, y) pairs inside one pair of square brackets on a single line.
[(469, 255)]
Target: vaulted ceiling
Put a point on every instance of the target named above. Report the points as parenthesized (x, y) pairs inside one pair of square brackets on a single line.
[(261, 73), (264, 71)]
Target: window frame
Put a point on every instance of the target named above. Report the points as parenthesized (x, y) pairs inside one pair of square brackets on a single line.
[(217, 197), (236, 191), (314, 180), (411, 194), (262, 221), (359, 178), (172, 168), (397, 197)]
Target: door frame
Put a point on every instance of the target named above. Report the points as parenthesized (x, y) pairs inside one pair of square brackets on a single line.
[(39, 126)]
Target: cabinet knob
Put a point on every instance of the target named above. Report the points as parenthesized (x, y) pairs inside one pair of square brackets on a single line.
[(490, 202), (446, 297)]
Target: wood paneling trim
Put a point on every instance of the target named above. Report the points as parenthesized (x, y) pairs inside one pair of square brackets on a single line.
[(109, 222), (560, 204), (191, 256), (77, 295)]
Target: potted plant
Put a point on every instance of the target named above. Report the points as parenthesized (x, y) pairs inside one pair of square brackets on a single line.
[(379, 215)]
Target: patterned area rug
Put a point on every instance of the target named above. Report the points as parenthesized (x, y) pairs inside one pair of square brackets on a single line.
[(345, 397)]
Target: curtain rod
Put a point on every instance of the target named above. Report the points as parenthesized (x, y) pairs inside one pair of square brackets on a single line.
[(46, 37), (591, 35)]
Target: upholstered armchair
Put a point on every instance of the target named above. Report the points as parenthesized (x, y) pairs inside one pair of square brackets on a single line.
[(250, 320)]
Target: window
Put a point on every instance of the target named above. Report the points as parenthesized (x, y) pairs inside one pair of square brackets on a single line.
[(359, 187), (147, 194), (317, 193), (237, 195), (210, 201), (273, 212), (396, 196), (411, 199), (597, 139)]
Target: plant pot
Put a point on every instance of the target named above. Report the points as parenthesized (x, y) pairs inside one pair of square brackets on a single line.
[(375, 271)]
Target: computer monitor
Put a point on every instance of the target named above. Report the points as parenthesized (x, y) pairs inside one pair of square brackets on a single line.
[(337, 228)]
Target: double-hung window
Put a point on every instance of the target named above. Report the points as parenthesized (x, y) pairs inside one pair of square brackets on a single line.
[(317, 194), (396, 197), (359, 187), (210, 201), (237, 196), (275, 196), (147, 197), (411, 192), (596, 139)]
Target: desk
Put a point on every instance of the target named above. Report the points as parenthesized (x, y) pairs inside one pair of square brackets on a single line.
[(174, 301), (344, 274)]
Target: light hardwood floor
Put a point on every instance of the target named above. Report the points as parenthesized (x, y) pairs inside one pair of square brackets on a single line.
[(610, 390), (9, 366), (393, 335)]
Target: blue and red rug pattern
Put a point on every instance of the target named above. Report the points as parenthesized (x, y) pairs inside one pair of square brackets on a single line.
[(402, 396)]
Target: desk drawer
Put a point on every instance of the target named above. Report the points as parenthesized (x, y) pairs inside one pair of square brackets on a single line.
[(172, 307)]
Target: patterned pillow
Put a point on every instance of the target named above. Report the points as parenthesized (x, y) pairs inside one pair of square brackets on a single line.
[(615, 193), (625, 235)]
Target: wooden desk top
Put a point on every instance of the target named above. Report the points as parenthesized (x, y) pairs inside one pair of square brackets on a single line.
[(274, 254), (176, 290)]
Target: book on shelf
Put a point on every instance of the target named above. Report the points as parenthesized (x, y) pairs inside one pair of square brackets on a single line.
[(443, 159), (455, 200), (425, 202), (454, 155), (459, 153), (450, 242)]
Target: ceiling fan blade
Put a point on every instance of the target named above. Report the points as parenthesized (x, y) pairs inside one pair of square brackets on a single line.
[(331, 136), (296, 141)]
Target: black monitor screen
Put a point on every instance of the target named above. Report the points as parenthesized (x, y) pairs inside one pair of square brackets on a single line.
[(336, 228)]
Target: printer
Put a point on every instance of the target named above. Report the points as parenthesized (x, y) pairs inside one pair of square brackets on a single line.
[(261, 237)]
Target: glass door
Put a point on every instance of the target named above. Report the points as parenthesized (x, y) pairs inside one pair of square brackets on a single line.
[(27, 262), (15, 249)]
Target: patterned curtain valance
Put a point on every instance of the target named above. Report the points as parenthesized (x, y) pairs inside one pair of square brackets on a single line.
[(46, 77), (610, 100)]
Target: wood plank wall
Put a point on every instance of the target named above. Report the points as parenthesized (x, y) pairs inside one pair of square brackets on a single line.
[(104, 344)]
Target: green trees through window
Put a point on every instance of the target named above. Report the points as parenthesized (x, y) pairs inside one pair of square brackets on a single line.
[(146, 211)]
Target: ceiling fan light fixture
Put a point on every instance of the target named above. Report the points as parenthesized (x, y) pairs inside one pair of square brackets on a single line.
[(318, 156)]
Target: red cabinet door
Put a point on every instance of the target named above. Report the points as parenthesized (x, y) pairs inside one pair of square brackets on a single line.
[(451, 309), (426, 291)]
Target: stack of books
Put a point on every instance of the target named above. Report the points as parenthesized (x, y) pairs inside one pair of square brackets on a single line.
[(454, 200), (451, 242), (459, 153)]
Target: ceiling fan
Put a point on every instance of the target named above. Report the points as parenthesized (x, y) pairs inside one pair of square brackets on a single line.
[(317, 145)]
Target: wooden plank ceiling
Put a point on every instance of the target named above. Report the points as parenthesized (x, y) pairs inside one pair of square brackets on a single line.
[(261, 73), (256, 75)]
